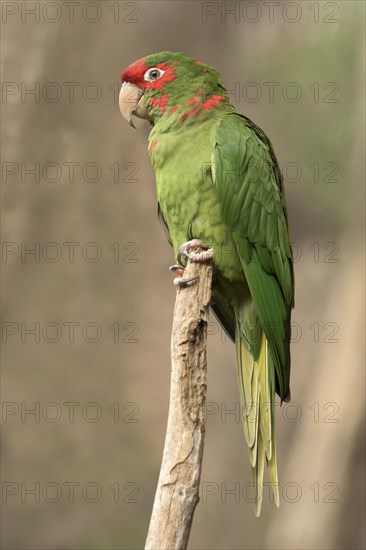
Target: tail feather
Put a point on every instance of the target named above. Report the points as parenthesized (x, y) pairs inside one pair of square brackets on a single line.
[(265, 399), (248, 387), (257, 476), (257, 392), (273, 474), (253, 418)]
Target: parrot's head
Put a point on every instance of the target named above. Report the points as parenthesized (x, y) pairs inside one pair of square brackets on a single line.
[(170, 87)]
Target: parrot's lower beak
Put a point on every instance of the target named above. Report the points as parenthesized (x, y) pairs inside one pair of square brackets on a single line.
[(131, 102)]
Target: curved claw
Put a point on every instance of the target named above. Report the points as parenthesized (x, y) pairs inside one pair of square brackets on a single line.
[(182, 262), (185, 248), (175, 268), (183, 282)]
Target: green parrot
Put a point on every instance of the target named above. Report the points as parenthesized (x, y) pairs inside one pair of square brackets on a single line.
[(219, 186)]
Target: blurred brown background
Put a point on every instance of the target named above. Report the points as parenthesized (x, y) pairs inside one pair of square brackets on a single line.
[(80, 471)]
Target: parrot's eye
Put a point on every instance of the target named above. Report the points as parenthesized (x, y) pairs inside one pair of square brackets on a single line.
[(153, 74)]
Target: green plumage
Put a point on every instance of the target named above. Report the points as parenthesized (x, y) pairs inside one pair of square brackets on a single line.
[(218, 180)]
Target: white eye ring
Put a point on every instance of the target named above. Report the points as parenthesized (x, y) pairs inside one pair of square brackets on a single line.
[(153, 74)]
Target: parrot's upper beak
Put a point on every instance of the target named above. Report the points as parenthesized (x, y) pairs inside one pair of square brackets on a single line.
[(131, 102)]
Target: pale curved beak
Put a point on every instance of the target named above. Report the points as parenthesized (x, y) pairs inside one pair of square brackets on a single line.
[(131, 102)]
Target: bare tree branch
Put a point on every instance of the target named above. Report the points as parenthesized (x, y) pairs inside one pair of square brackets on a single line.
[(178, 487)]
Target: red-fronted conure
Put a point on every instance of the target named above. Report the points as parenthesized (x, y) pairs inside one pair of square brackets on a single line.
[(218, 181)]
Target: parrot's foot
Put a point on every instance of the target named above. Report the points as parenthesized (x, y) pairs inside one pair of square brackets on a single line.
[(185, 251), (181, 281)]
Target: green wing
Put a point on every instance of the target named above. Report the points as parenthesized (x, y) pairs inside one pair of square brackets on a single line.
[(249, 185)]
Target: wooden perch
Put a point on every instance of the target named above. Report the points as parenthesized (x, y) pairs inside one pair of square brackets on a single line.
[(178, 486)]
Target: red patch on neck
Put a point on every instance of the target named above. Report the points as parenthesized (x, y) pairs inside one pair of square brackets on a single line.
[(212, 101), (160, 101), (196, 99), (192, 100), (199, 107), (152, 145)]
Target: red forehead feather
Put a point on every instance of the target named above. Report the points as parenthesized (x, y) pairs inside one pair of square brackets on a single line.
[(135, 74)]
